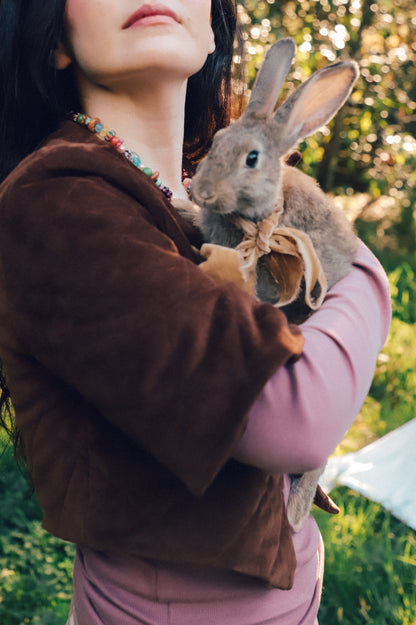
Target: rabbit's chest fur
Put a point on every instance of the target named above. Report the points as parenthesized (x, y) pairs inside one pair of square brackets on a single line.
[(307, 208)]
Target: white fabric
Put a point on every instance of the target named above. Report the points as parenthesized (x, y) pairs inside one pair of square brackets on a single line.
[(384, 471), (72, 617)]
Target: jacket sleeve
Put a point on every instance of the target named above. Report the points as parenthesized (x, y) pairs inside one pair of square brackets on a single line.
[(102, 299), (305, 409)]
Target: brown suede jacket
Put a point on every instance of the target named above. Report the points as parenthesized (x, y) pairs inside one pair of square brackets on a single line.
[(130, 371)]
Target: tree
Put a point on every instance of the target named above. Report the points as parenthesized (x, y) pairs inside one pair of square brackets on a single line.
[(370, 147)]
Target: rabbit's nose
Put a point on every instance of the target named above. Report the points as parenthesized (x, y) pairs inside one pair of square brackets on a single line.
[(207, 196)]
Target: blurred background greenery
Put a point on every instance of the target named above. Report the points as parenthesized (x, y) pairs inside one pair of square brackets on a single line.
[(366, 157), (367, 154)]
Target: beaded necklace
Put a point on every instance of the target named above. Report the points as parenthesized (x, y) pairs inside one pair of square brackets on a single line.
[(95, 126)]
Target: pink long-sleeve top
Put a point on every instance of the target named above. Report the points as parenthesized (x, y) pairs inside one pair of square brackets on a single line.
[(318, 398)]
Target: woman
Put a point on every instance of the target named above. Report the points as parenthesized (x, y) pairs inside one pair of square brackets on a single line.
[(159, 412)]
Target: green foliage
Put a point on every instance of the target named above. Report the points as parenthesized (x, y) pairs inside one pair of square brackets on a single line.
[(370, 568), (17, 506), (394, 384), (392, 398), (403, 290), (370, 565), (370, 146), (38, 578), (35, 567)]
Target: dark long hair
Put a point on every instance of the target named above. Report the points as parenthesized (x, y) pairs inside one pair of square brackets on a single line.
[(208, 100), (35, 97)]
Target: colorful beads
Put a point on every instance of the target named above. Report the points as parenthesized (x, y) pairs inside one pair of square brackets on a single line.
[(132, 157), (95, 125), (166, 191), (92, 123), (187, 182), (116, 141)]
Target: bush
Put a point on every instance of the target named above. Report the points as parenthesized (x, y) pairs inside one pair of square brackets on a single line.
[(35, 567), (403, 291)]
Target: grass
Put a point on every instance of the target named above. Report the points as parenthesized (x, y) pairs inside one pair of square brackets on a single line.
[(392, 398), (370, 562), (370, 565), (370, 572)]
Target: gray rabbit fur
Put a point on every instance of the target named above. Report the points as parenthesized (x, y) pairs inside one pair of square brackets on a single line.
[(245, 174)]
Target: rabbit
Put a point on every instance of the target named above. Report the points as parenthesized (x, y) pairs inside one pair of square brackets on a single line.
[(245, 174)]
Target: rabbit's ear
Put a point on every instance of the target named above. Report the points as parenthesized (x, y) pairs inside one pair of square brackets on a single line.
[(315, 102), (270, 78)]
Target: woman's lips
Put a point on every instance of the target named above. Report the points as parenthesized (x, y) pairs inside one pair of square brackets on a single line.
[(151, 14)]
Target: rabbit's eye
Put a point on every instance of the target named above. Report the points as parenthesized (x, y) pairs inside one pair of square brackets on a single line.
[(252, 158)]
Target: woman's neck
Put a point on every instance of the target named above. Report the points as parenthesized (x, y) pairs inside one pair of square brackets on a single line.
[(149, 120)]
